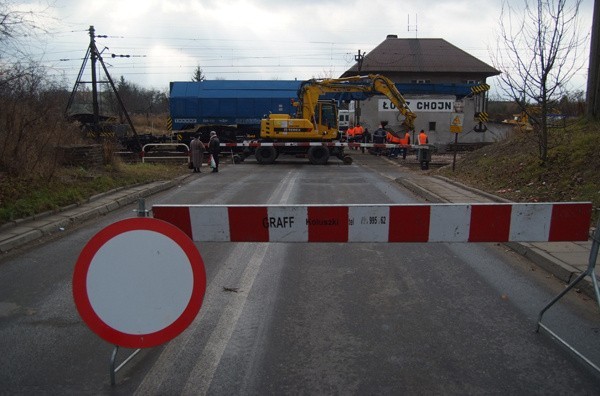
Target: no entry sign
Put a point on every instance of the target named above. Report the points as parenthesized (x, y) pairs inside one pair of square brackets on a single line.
[(139, 282)]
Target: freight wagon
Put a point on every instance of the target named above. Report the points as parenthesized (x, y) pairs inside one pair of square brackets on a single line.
[(233, 109)]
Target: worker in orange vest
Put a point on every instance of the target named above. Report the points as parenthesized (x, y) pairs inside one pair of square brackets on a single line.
[(393, 139), (358, 134), (350, 133), (423, 139)]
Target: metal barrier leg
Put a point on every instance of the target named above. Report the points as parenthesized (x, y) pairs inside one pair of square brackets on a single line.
[(113, 372), (142, 211), (591, 271), (113, 358)]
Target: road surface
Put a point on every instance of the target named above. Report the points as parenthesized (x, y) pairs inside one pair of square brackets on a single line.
[(330, 318)]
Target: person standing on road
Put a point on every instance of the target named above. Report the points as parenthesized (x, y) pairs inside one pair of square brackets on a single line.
[(379, 137), (391, 138), (214, 148), (405, 142), (358, 134), (366, 139), (197, 151), (350, 134), (423, 139)]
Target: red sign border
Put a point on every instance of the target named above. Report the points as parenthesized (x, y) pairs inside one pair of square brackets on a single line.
[(116, 337)]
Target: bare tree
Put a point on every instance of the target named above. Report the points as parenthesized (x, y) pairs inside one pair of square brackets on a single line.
[(15, 25), (31, 123), (537, 53)]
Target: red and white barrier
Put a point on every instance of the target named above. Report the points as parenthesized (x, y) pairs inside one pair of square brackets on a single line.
[(518, 222), (326, 144)]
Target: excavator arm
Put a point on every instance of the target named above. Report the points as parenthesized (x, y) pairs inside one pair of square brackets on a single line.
[(372, 84)]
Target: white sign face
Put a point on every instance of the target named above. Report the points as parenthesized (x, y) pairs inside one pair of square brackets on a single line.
[(421, 105), (139, 290)]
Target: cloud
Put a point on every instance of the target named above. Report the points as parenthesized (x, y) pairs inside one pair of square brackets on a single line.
[(259, 39)]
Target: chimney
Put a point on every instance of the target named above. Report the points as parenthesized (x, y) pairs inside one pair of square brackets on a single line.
[(392, 36)]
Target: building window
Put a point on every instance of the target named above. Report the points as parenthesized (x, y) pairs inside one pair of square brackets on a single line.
[(474, 82), (432, 126), (421, 81)]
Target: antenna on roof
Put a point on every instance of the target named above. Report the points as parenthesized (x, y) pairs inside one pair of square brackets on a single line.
[(415, 27)]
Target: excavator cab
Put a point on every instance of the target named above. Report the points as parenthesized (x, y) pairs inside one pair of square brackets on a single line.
[(282, 127)]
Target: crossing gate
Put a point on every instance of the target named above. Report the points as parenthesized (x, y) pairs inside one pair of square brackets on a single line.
[(256, 144), (511, 222), (496, 222)]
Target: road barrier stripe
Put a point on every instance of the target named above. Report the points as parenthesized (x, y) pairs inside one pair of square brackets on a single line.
[(496, 222), (326, 144)]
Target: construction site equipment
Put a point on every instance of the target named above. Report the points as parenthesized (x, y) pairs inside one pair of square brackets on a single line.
[(317, 120), (520, 120)]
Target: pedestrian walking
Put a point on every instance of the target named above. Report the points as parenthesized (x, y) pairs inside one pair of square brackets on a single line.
[(214, 148), (197, 153)]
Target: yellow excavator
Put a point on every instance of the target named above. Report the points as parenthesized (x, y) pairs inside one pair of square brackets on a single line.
[(316, 121)]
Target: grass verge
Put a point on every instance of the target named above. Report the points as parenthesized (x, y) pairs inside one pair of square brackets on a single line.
[(511, 168), (21, 198)]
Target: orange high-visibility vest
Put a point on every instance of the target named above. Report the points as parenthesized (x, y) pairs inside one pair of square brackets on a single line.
[(350, 132), (358, 130), (423, 139), (406, 139), (392, 138)]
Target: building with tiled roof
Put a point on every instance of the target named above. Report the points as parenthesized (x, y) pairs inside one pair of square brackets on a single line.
[(436, 78)]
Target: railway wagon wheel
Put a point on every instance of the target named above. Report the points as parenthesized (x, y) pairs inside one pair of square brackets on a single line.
[(318, 155), (265, 155)]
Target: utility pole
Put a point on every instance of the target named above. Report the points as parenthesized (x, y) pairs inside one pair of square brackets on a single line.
[(95, 56), (359, 60), (593, 85)]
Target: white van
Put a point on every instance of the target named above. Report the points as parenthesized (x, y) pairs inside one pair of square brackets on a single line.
[(344, 120)]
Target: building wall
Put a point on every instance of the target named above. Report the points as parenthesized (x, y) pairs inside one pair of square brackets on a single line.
[(434, 115)]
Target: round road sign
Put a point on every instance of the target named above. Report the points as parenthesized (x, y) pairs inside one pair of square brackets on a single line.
[(139, 282)]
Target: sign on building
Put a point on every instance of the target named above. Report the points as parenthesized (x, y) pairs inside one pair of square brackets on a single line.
[(421, 105)]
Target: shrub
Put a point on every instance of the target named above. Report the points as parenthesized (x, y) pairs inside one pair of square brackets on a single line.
[(32, 123)]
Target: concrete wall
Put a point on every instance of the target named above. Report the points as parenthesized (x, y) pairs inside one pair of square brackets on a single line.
[(434, 115)]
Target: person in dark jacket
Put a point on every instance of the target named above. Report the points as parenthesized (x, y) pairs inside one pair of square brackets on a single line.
[(379, 137), (214, 148)]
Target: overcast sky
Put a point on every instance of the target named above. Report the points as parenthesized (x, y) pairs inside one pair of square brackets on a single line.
[(256, 39)]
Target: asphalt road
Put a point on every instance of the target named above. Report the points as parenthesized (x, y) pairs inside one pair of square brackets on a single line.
[(308, 318)]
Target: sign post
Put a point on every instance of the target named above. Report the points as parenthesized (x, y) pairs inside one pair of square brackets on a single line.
[(456, 126)]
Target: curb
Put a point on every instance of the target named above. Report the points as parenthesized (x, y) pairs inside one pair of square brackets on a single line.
[(492, 197), (420, 191)]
